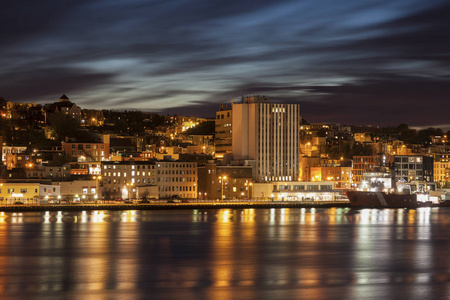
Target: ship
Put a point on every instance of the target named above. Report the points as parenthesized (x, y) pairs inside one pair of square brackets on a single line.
[(380, 189)]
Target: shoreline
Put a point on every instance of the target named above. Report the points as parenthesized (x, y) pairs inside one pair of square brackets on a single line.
[(170, 206)]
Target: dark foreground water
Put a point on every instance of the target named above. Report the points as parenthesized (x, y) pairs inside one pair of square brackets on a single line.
[(226, 254)]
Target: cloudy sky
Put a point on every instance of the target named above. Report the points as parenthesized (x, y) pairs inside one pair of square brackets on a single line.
[(354, 62)]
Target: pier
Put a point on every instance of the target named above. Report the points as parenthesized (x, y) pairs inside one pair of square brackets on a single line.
[(165, 205)]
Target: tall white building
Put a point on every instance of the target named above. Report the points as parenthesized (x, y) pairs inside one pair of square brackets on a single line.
[(269, 134)]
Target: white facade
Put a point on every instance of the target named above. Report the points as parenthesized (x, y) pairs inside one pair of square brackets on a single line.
[(80, 190), (269, 134), (295, 191)]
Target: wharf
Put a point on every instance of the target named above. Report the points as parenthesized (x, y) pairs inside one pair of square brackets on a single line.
[(162, 206)]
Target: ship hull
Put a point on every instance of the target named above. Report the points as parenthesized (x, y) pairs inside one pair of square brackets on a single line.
[(360, 199)]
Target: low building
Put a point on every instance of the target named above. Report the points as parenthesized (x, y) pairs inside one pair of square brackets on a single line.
[(341, 175), (414, 167), (441, 169), (224, 182), (79, 190), (124, 179), (28, 192), (363, 164), (12, 150), (88, 151), (295, 191), (48, 171)]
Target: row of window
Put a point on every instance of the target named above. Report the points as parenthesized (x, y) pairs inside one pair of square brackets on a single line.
[(410, 159), (143, 167), (177, 188), (24, 190), (88, 152), (21, 190), (408, 166), (301, 187), (149, 180), (87, 146), (138, 173)]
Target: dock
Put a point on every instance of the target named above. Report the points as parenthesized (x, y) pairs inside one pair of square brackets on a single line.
[(167, 206)]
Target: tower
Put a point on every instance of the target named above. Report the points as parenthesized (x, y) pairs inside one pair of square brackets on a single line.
[(269, 134)]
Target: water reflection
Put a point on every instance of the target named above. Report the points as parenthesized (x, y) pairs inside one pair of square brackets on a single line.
[(244, 253)]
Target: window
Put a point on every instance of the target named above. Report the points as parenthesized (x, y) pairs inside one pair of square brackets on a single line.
[(23, 191), (85, 190), (326, 187), (312, 187)]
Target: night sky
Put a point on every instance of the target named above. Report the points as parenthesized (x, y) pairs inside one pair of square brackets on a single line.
[(352, 62)]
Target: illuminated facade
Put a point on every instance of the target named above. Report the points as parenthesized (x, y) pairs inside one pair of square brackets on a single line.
[(295, 191), (341, 175), (124, 179), (441, 169), (223, 136), (28, 192), (363, 164), (269, 134), (88, 151), (11, 150), (227, 182), (79, 190)]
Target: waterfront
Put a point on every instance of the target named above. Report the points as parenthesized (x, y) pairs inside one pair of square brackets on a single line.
[(296, 253)]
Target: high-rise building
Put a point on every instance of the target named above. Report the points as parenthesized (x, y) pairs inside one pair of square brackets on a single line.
[(267, 133), (223, 131)]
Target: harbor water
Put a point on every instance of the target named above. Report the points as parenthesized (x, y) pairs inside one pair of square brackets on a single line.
[(307, 253)]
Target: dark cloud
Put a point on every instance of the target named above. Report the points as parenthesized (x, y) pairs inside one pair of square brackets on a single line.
[(49, 83), (380, 62)]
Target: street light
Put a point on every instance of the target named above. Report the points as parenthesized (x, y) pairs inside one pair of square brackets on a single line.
[(130, 194)]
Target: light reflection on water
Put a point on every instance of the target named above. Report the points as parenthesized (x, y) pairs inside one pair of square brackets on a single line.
[(228, 254)]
